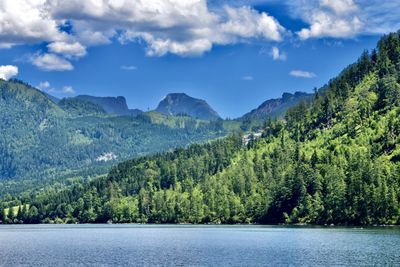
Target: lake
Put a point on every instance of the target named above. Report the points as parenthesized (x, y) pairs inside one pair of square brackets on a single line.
[(179, 245)]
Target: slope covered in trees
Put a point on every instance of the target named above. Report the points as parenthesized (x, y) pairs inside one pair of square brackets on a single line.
[(111, 105), (333, 160), (42, 140)]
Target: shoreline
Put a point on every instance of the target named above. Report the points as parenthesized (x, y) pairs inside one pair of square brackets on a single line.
[(309, 226)]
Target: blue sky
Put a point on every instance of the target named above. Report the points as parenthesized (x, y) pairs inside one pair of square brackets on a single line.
[(234, 54)]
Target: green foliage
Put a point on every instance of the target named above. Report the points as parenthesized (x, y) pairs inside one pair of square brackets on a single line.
[(335, 160), (78, 107), (42, 142)]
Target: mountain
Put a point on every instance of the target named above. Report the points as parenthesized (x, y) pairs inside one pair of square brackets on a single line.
[(42, 141), (53, 98), (275, 108), (182, 104), (111, 105), (332, 160), (78, 107)]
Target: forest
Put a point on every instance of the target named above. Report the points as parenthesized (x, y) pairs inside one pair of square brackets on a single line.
[(43, 142), (332, 160)]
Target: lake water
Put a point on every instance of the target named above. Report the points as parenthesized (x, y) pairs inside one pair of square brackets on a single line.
[(168, 245)]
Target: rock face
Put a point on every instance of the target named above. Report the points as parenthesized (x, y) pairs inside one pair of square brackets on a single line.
[(182, 104), (112, 105), (274, 108)]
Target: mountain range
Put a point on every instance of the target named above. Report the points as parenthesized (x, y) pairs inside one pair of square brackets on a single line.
[(180, 104), (333, 159), (54, 139), (44, 140)]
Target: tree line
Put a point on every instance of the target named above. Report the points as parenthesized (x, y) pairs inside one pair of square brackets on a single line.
[(333, 160)]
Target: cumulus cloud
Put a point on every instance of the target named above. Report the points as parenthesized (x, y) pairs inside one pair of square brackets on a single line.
[(68, 90), (325, 24), (276, 54), (195, 30), (345, 18), (329, 18), (43, 85), (68, 49), (245, 22), (46, 87), (8, 71), (183, 27), (27, 21), (50, 62), (302, 74)]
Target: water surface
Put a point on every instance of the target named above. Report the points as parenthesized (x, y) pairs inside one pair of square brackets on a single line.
[(176, 245)]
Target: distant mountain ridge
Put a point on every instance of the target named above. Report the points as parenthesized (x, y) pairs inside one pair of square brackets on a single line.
[(182, 104), (111, 105), (47, 140), (274, 108), (177, 104)]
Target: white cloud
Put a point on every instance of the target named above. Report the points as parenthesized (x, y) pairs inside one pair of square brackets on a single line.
[(8, 71), (50, 62), (68, 49), (340, 6), (245, 22), (128, 67), (160, 47), (183, 27), (195, 30), (27, 21), (68, 90), (91, 37), (43, 85), (302, 74), (248, 78), (345, 18), (325, 24), (63, 90), (276, 54), (46, 87), (6, 45)]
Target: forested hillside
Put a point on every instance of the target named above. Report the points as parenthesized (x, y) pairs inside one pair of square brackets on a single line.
[(41, 140), (333, 160), (111, 105)]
